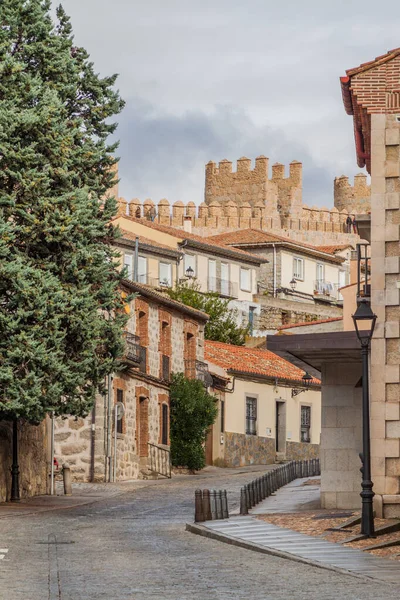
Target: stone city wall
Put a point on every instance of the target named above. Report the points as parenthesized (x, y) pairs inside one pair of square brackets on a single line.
[(241, 450), (275, 312), (32, 456)]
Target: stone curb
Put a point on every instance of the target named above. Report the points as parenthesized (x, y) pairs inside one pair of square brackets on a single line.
[(227, 539)]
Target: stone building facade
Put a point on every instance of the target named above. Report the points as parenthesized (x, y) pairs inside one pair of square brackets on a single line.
[(170, 340), (371, 95), (33, 459)]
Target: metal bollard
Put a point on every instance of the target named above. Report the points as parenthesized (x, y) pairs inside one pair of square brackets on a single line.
[(243, 502), (318, 466), (67, 480), (247, 494), (206, 505), (225, 511), (264, 486), (268, 484), (218, 504), (198, 506), (213, 504)]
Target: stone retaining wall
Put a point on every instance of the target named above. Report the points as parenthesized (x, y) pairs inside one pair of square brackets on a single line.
[(241, 450), (301, 451)]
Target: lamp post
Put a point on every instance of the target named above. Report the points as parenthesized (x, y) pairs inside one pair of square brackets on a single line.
[(293, 284), (15, 497), (365, 315)]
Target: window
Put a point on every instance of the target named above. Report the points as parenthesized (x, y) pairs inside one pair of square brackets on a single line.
[(251, 416), (120, 398), (165, 274), (128, 263), (224, 279), (190, 263), (298, 268), (305, 423), (222, 416), (164, 421), (212, 275), (142, 269), (245, 279), (320, 272)]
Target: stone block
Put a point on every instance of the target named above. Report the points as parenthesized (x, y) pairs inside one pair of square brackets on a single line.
[(392, 169), (392, 200), (378, 506), (392, 448), (329, 416), (393, 467), (377, 428), (393, 429), (328, 499), (348, 500), (392, 373), (392, 264), (378, 121), (378, 352), (70, 449), (392, 329), (392, 411), (392, 484), (390, 233), (392, 137), (392, 298), (62, 436)]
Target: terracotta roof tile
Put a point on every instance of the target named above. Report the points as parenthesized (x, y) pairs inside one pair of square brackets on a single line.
[(379, 60), (205, 241), (127, 235), (333, 249), (253, 237), (306, 323), (252, 361)]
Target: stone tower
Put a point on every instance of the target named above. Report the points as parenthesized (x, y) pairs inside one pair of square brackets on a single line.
[(279, 194), (355, 199)]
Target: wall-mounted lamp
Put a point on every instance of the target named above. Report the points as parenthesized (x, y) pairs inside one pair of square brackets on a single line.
[(307, 379)]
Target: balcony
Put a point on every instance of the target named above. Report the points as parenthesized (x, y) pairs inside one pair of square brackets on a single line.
[(132, 349), (223, 287), (326, 290), (153, 282), (196, 369)]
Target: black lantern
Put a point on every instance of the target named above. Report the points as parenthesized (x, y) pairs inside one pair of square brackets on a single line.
[(306, 379), (189, 272), (293, 284), (365, 315)]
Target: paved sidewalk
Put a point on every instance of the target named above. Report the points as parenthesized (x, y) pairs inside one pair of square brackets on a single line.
[(261, 536)]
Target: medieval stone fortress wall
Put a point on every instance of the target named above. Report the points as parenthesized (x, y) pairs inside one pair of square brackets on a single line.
[(247, 197)]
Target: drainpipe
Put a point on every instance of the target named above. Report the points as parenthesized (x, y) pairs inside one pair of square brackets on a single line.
[(109, 429), (274, 271), (136, 261)]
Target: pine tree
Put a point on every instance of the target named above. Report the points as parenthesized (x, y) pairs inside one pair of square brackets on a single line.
[(61, 313)]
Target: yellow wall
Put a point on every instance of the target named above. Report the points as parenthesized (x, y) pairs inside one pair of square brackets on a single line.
[(331, 272)]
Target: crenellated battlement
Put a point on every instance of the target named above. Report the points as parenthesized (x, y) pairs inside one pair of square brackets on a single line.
[(314, 224), (282, 195), (356, 198)]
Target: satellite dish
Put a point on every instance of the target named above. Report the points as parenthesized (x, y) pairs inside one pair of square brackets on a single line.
[(119, 410)]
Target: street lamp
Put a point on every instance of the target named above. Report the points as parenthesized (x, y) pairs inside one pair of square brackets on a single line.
[(307, 379), (365, 315), (293, 284), (189, 273)]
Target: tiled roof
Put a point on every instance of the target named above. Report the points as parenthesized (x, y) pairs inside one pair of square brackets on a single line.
[(148, 292), (379, 60), (333, 249), (241, 359), (306, 323), (257, 237), (206, 242)]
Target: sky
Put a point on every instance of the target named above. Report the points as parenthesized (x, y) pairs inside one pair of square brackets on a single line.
[(208, 80)]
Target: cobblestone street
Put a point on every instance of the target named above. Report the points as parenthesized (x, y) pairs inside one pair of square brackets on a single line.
[(134, 546)]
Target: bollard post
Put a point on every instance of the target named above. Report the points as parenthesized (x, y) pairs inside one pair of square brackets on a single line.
[(67, 479), (252, 494), (318, 466), (264, 483), (218, 503), (247, 494), (268, 484), (243, 502), (206, 505), (258, 496), (260, 489), (198, 506), (225, 511), (213, 505)]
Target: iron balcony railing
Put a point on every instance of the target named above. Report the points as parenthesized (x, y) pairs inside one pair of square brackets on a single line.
[(196, 369), (223, 287), (132, 348), (327, 289), (160, 460)]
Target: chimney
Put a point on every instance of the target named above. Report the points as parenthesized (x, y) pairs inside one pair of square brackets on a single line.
[(187, 224)]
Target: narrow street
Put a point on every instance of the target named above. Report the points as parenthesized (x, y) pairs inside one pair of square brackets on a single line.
[(134, 546)]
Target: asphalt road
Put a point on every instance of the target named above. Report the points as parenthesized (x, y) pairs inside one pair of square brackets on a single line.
[(135, 546)]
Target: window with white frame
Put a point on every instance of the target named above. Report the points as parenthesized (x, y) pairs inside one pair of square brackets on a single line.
[(245, 279), (212, 275), (298, 268), (165, 274), (128, 263), (306, 424), (225, 279), (320, 272), (142, 269), (251, 416), (190, 263)]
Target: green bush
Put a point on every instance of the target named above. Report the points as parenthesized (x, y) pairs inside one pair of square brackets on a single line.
[(193, 411)]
